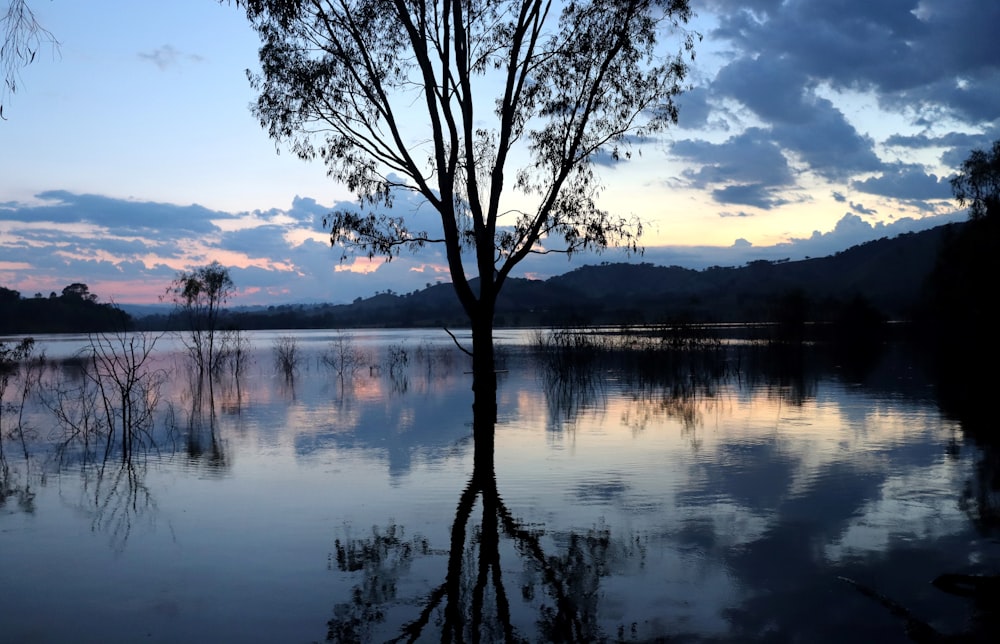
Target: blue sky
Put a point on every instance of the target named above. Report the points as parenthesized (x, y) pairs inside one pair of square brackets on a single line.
[(811, 125)]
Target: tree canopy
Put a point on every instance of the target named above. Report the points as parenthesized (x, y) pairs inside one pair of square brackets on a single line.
[(978, 182), (77, 310), (441, 99)]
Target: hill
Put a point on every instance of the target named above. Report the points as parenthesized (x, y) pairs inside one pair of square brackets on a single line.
[(886, 276)]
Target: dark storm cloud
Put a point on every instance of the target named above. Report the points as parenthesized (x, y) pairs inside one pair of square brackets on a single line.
[(906, 182)]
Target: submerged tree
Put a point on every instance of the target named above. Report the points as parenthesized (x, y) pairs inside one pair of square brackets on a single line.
[(199, 296), (11, 360), (441, 99)]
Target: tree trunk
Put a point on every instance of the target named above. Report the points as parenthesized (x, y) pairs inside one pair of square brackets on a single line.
[(484, 376)]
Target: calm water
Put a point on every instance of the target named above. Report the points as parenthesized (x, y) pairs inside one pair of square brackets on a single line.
[(704, 499)]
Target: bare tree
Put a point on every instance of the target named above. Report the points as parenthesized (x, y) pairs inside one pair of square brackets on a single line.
[(344, 357), (128, 388), (440, 98), (286, 356)]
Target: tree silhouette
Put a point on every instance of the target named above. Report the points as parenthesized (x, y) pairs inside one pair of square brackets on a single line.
[(978, 182), (440, 99), (199, 296), (23, 36)]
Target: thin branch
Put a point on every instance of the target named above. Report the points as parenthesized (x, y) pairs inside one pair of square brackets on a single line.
[(455, 340)]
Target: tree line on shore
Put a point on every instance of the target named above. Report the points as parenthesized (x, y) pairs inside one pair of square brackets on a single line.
[(936, 276)]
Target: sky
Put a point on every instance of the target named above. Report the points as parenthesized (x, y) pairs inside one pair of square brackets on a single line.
[(129, 152)]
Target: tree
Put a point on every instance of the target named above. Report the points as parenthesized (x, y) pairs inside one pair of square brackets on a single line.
[(978, 183), (23, 36), (958, 292), (79, 291), (199, 296), (395, 96)]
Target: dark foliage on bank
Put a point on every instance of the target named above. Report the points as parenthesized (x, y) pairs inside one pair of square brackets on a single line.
[(75, 310)]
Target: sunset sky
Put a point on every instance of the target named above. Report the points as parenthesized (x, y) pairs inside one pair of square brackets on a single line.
[(811, 125)]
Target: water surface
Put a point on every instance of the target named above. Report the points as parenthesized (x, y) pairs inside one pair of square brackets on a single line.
[(702, 498)]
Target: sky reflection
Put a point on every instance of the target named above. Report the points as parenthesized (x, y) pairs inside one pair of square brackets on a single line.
[(714, 508)]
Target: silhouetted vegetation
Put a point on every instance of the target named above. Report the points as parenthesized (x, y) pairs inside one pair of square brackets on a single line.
[(846, 296), (75, 310), (850, 294), (198, 296)]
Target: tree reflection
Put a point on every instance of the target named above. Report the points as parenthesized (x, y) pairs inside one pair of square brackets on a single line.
[(203, 444), (118, 498), (473, 603), (12, 488)]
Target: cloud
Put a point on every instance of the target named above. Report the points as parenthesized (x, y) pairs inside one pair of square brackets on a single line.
[(773, 88), (861, 210), (694, 109), (168, 56), (798, 68), (749, 157), (829, 144), (749, 194), (281, 256), (119, 216), (906, 182)]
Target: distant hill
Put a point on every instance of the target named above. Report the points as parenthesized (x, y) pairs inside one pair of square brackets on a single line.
[(887, 275)]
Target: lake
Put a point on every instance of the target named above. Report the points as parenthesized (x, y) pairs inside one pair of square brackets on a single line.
[(715, 492)]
